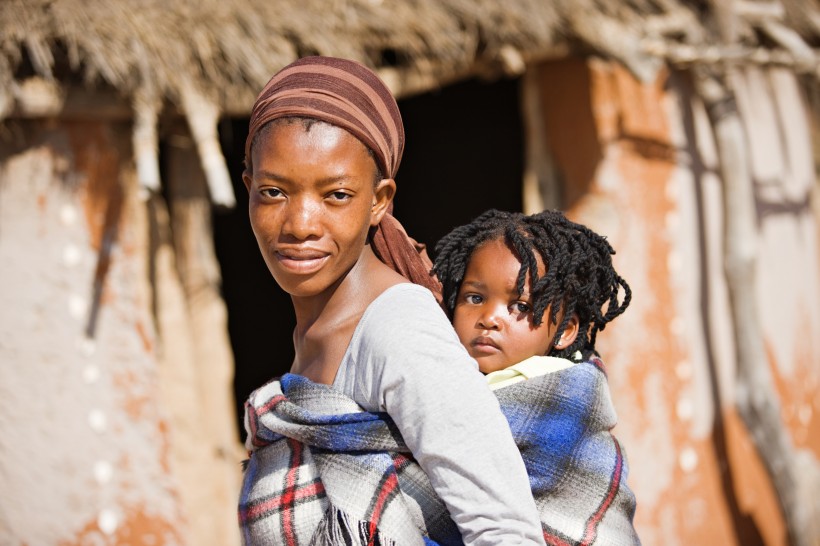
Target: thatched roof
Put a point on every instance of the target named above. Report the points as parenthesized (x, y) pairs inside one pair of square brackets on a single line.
[(228, 49), (207, 58)]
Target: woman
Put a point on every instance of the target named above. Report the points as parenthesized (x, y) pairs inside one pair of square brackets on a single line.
[(324, 145)]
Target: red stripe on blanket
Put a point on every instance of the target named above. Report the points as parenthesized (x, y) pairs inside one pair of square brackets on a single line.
[(401, 461), (553, 538), (591, 531), (305, 493), (270, 404), (598, 363), (387, 489), (289, 495), (253, 416)]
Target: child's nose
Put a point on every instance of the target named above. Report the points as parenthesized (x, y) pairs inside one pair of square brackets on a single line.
[(489, 321)]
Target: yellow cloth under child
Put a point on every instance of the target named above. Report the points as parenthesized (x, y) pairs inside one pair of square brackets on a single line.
[(526, 369)]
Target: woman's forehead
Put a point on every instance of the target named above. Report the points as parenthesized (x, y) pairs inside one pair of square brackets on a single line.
[(320, 137)]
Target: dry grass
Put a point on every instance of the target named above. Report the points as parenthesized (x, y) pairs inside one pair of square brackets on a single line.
[(229, 48)]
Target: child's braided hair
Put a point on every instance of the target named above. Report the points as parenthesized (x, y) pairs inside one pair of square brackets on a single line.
[(579, 278)]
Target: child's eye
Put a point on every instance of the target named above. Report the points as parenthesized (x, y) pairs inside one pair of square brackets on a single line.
[(522, 307), (473, 299)]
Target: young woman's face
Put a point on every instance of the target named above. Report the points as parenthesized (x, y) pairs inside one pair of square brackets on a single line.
[(312, 200), (491, 319)]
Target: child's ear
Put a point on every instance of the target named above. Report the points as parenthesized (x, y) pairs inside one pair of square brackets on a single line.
[(382, 198), (569, 334)]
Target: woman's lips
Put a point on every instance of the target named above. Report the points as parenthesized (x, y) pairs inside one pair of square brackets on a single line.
[(302, 262)]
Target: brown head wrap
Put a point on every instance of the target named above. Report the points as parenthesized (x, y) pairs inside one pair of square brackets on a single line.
[(346, 94)]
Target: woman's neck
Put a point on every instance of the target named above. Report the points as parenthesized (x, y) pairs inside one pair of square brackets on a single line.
[(325, 323), (339, 298)]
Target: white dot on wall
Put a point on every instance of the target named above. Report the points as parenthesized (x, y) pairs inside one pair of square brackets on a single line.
[(688, 459), (672, 221), (71, 255), (91, 374), (672, 190), (677, 326), (68, 215), (683, 370), (76, 306), (97, 420), (143, 194), (674, 261), (804, 414), (107, 521), (103, 471), (684, 409)]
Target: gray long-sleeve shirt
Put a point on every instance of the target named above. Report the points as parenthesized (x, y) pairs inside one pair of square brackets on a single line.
[(405, 358)]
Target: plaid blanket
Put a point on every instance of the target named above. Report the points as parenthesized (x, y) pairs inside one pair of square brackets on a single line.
[(562, 424), (322, 471)]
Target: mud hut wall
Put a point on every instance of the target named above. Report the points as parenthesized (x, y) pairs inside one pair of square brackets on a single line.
[(84, 452), (107, 381), (637, 163), (195, 353)]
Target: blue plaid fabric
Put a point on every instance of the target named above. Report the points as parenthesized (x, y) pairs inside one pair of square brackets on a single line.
[(324, 472)]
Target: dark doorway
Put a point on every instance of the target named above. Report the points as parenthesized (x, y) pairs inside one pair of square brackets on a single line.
[(464, 154)]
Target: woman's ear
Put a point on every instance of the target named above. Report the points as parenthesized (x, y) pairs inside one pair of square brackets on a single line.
[(569, 334), (247, 178), (383, 195)]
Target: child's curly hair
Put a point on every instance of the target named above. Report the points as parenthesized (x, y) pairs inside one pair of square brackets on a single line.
[(579, 278)]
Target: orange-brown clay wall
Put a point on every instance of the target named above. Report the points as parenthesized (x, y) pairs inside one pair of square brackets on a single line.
[(84, 448), (638, 165)]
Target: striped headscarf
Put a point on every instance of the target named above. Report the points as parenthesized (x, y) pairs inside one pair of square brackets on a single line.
[(348, 95)]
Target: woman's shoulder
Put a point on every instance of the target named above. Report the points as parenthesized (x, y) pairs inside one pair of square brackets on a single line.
[(405, 303), (404, 292), (407, 309)]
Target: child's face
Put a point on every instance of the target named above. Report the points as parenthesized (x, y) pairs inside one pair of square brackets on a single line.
[(312, 201), (491, 319)]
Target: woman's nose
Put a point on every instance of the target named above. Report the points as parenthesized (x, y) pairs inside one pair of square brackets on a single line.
[(303, 219)]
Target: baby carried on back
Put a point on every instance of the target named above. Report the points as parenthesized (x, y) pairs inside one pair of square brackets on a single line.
[(349, 477)]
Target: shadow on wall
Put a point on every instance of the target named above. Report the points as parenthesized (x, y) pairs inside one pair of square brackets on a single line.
[(464, 155)]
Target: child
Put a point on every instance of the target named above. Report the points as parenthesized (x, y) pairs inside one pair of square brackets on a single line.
[(543, 264), (527, 296)]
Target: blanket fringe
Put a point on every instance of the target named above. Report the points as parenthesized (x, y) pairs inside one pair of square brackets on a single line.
[(338, 528)]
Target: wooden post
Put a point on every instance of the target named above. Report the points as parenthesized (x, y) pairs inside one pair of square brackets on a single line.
[(756, 399), (145, 141), (197, 358), (203, 117), (540, 186)]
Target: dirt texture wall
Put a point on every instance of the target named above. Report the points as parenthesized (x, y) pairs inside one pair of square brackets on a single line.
[(84, 452), (116, 420), (637, 163)]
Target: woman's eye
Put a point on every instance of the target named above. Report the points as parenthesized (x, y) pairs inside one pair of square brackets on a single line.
[(340, 196), (271, 192)]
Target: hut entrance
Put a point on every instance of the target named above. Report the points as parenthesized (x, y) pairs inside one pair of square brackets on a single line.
[(464, 154)]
